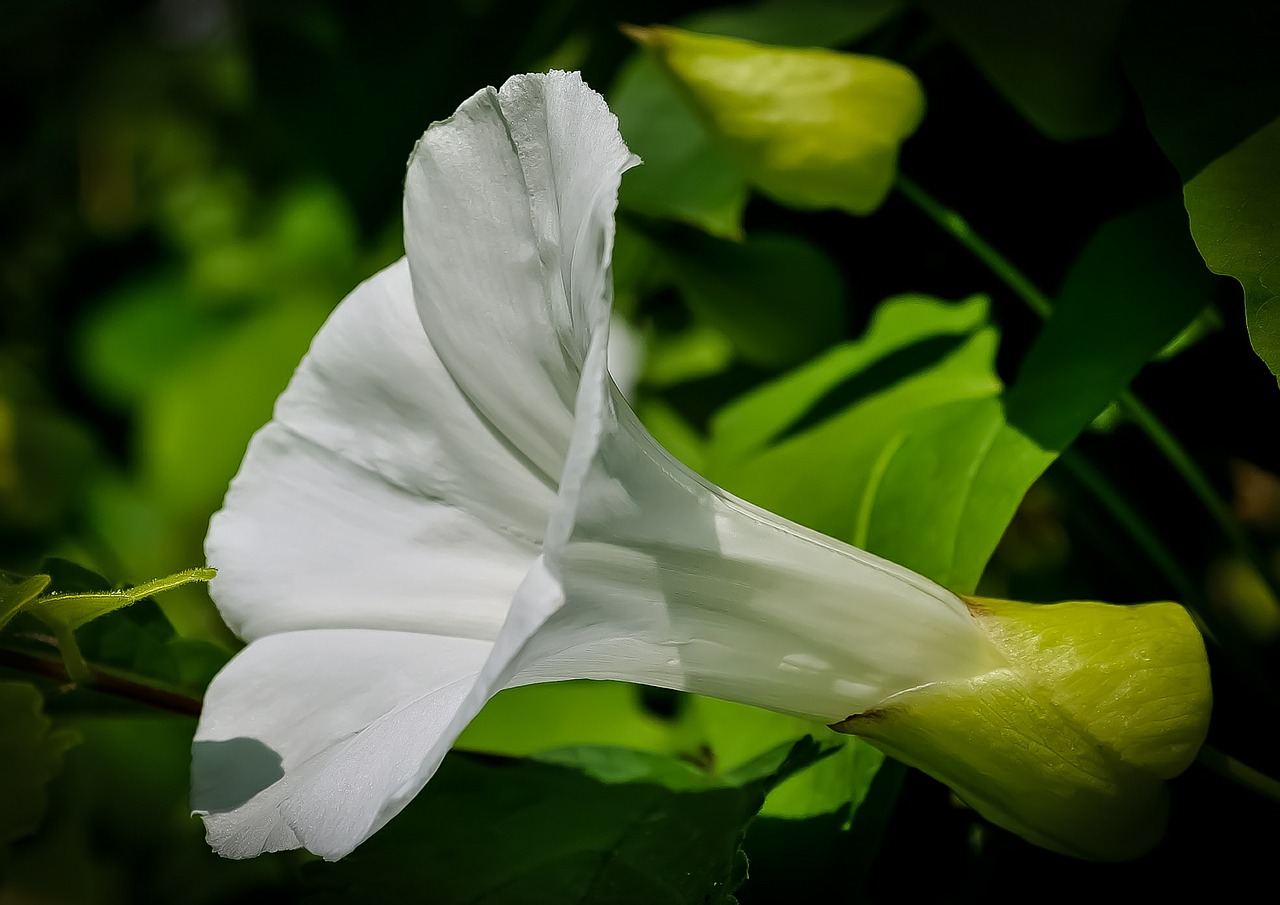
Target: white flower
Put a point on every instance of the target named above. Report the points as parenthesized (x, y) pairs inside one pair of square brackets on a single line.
[(436, 514)]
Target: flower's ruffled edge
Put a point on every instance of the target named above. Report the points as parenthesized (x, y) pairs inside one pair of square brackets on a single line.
[(359, 737)]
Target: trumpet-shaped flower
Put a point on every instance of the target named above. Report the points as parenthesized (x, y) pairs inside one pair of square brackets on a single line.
[(453, 498)]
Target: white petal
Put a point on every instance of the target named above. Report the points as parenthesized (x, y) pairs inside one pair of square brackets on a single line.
[(508, 229), (626, 357), (388, 494), (309, 738), (377, 497), (670, 581)]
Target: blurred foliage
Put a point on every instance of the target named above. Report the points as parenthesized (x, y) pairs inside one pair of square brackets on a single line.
[(195, 184)]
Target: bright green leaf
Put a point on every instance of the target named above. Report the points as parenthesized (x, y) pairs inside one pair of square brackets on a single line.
[(536, 718), (813, 128), (1056, 61), (137, 335), (30, 756), (74, 610), (736, 733), (696, 352), (777, 298), (904, 443), (815, 444), (195, 425), (684, 178)]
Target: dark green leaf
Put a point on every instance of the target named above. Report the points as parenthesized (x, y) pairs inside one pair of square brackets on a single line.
[(1134, 288), (1056, 61), (903, 443), (500, 831), (140, 640), (799, 23), (16, 594), (30, 756), (1204, 72), (777, 298), (1234, 204)]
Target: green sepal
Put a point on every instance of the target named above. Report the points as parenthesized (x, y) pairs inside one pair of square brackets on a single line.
[(1069, 744)]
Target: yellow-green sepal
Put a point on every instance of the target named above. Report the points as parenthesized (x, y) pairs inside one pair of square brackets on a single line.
[(814, 128), (1069, 744)]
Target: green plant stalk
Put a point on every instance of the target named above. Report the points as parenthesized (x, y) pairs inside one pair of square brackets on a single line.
[(1210, 622), (1199, 483), (1150, 544), (1239, 773), (116, 684)]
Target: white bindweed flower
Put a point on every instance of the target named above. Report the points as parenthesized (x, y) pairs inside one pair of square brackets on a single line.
[(453, 498)]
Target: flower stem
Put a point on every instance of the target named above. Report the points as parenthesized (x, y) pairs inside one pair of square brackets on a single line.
[(959, 229), (1239, 773), (99, 679), (1209, 620), (1130, 405), (1128, 518)]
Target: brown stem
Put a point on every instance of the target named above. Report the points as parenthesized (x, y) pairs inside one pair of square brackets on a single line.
[(103, 681)]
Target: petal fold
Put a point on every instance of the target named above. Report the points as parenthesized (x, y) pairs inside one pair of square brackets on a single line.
[(377, 497), (310, 738)]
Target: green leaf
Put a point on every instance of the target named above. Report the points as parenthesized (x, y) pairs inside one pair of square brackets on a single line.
[(74, 610), (14, 595), (45, 458), (736, 734), (815, 444), (498, 831), (903, 442), (797, 23), (138, 335), (30, 756), (684, 178), (1205, 74), (195, 426), (140, 641), (777, 298), (536, 718), (1136, 286), (1210, 89), (697, 351), (1235, 218), (1056, 61), (812, 128)]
